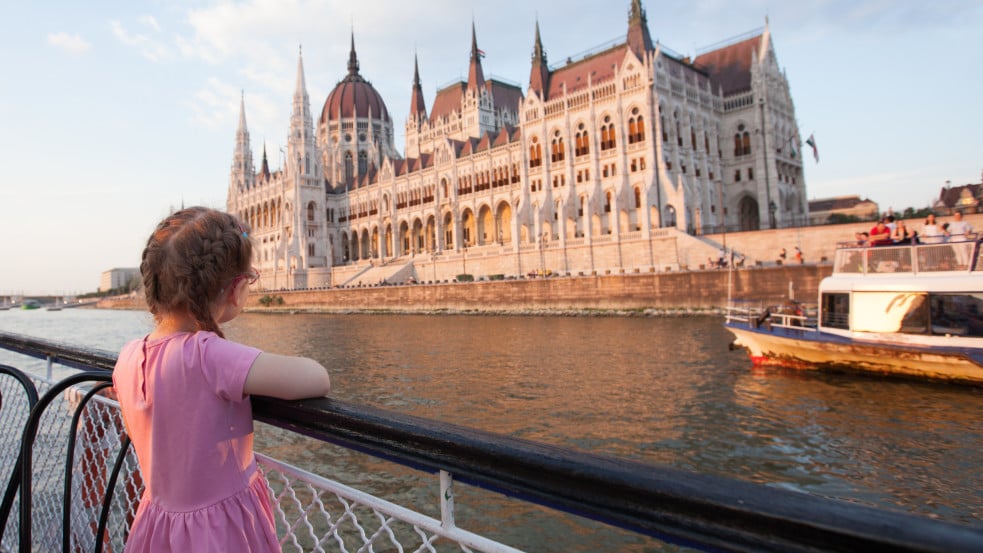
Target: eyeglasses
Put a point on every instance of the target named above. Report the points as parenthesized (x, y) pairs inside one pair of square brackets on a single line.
[(250, 277)]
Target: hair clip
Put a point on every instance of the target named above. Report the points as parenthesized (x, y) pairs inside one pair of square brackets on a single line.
[(242, 230)]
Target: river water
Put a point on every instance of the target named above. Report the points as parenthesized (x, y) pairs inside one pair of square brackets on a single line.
[(662, 390)]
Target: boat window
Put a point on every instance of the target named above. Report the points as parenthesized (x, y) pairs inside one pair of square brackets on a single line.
[(957, 314), (836, 311), (889, 312)]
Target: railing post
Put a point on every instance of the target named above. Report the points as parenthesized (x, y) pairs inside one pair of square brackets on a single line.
[(446, 499), (49, 367)]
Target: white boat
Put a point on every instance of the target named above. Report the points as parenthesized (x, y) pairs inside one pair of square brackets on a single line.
[(910, 311)]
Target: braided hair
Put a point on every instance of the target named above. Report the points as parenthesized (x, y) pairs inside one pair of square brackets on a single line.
[(189, 259)]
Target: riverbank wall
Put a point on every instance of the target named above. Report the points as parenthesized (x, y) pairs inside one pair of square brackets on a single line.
[(704, 290), (677, 291), (701, 290)]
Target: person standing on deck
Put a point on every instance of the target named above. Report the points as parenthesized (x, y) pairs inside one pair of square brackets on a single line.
[(184, 391)]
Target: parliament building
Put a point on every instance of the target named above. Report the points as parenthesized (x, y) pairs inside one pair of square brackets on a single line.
[(611, 163)]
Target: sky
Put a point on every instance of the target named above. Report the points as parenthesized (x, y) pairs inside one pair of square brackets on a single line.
[(112, 113)]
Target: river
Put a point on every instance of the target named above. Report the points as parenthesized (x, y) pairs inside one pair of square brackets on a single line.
[(662, 390)]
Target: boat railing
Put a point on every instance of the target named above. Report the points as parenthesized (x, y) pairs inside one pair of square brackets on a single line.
[(949, 256), (698, 511), (790, 315)]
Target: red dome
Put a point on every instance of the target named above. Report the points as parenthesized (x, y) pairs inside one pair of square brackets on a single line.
[(354, 96)]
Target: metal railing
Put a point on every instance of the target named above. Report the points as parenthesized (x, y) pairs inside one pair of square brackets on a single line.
[(951, 256), (696, 510)]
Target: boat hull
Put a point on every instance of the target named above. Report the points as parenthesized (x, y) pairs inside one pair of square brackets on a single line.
[(811, 349)]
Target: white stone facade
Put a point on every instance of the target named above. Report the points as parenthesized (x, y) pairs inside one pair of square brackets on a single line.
[(601, 165)]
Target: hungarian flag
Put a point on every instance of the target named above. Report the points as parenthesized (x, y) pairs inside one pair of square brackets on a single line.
[(811, 141)]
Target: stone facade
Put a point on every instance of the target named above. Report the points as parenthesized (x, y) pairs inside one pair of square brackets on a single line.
[(602, 166)]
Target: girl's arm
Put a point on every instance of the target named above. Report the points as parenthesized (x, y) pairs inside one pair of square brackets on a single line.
[(287, 377)]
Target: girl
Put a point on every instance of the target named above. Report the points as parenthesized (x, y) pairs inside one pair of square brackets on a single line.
[(184, 392)]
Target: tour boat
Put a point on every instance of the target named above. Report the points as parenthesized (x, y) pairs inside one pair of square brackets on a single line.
[(908, 310)]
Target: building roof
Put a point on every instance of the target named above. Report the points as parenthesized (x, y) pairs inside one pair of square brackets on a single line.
[(837, 203), (354, 96), (730, 66)]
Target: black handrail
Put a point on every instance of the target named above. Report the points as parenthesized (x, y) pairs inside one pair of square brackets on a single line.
[(13, 484), (697, 510)]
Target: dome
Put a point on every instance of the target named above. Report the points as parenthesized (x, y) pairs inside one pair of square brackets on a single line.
[(354, 96)]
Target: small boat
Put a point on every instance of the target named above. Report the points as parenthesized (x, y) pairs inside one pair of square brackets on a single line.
[(30, 304), (909, 311)]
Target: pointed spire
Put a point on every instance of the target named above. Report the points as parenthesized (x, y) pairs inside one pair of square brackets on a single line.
[(639, 39), (417, 106), (352, 58), (476, 77), (265, 168), (539, 75), (301, 84), (242, 113)]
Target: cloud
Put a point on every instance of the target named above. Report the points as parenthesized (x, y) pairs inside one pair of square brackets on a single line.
[(149, 46), (72, 44)]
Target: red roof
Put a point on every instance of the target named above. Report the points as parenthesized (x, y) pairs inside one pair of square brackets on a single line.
[(449, 99), (730, 67), (599, 67)]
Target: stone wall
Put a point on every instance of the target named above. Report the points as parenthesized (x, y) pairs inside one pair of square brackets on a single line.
[(675, 290)]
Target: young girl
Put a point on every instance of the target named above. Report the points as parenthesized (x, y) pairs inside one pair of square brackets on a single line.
[(184, 392)]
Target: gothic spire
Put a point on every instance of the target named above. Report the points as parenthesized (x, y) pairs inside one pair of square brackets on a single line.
[(539, 75), (639, 39), (417, 106), (352, 59), (476, 77)]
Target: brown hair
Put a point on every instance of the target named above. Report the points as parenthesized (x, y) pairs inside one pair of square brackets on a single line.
[(190, 258)]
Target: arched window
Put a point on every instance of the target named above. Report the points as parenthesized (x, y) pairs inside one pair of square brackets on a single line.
[(636, 127), (746, 143), (363, 163), (310, 211), (607, 134), (583, 142), (558, 152), (679, 130), (535, 153), (738, 150), (349, 167)]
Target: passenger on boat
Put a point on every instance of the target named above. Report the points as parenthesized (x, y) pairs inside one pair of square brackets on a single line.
[(959, 230), (184, 391), (931, 232), (901, 234), (863, 239), (880, 235)]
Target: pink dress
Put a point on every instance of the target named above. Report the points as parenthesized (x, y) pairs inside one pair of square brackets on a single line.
[(192, 429)]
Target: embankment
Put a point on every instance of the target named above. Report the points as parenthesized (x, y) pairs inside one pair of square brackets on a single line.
[(622, 293)]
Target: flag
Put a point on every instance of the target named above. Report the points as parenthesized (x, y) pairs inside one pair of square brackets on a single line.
[(811, 141), (481, 53)]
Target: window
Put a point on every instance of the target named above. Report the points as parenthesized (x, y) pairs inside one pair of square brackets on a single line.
[(607, 202), (636, 127), (836, 311), (349, 167), (582, 145), (535, 153), (607, 134), (557, 152), (310, 211), (746, 143), (638, 198), (750, 173), (363, 163), (737, 175)]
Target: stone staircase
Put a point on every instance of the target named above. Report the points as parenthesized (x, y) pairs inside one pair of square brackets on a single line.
[(393, 272)]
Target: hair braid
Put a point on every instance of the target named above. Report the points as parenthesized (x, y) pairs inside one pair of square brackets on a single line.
[(189, 260)]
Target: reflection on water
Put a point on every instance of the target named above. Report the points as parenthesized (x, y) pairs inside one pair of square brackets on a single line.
[(658, 390)]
